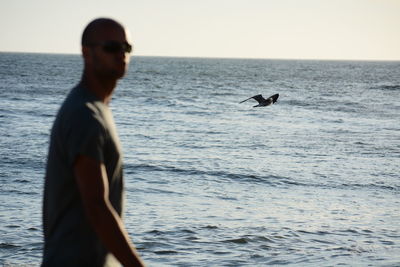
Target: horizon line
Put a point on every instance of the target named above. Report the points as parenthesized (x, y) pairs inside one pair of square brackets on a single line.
[(215, 57)]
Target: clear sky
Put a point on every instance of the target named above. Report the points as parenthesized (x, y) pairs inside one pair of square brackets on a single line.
[(288, 29)]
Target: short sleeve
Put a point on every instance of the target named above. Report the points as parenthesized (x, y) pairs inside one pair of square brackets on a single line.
[(86, 136)]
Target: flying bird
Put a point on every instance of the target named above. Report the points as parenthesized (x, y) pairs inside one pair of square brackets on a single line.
[(262, 102)]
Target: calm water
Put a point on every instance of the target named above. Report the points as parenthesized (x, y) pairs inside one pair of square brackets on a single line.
[(310, 181)]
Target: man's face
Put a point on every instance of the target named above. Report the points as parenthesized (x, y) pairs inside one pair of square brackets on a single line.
[(109, 56)]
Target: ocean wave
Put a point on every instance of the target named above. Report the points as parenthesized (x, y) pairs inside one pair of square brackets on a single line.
[(249, 239), (8, 246), (271, 180), (165, 252), (372, 186), (388, 87)]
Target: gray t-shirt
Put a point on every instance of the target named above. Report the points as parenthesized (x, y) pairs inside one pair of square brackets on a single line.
[(83, 126)]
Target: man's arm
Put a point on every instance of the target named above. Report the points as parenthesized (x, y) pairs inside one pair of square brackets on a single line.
[(92, 181)]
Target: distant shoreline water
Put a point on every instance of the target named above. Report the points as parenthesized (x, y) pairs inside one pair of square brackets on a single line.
[(219, 58)]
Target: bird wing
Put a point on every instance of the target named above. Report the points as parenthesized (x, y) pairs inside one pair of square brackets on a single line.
[(256, 97), (245, 99), (274, 98), (259, 98)]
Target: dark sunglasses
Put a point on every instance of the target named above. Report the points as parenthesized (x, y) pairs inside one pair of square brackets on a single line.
[(114, 47)]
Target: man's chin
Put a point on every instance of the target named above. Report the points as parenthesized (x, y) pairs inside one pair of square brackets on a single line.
[(122, 70), (118, 74)]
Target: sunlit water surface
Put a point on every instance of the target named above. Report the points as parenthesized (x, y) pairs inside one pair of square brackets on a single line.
[(310, 181)]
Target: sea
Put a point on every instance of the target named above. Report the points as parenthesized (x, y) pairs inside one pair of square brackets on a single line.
[(313, 180)]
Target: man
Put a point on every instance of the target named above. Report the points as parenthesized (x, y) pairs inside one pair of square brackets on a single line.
[(83, 185)]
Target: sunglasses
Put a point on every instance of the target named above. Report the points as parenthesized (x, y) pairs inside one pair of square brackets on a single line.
[(113, 47)]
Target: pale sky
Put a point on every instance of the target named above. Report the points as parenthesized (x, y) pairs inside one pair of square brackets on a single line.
[(287, 29)]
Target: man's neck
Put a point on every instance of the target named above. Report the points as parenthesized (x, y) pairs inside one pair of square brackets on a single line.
[(101, 88)]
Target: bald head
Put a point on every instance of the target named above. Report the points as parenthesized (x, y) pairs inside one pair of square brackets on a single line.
[(106, 51), (95, 29)]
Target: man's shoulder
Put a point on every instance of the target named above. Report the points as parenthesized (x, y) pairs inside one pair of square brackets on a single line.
[(80, 109), (79, 101)]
